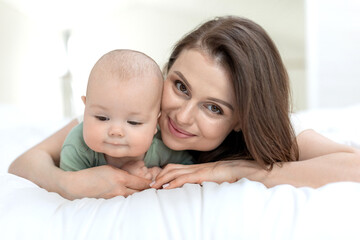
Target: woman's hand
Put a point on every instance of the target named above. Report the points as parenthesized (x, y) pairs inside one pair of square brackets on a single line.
[(100, 182), (176, 175)]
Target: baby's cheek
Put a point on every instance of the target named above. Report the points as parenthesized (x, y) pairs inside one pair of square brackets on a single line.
[(140, 143), (92, 141)]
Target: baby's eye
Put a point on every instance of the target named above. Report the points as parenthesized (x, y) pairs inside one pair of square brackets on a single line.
[(134, 123), (181, 87), (214, 109), (102, 118)]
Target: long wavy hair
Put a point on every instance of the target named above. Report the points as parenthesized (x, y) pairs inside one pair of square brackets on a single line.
[(261, 85)]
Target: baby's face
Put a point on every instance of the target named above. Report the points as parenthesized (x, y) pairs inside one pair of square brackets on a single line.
[(121, 116)]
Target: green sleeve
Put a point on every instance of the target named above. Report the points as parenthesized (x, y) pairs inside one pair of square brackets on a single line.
[(75, 154), (159, 155), (71, 159), (180, 157)]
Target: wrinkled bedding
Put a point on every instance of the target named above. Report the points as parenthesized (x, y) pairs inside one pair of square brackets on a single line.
[(241, 210)]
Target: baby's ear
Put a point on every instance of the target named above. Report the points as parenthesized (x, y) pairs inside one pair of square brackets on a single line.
[(156, 130), (83, 98)]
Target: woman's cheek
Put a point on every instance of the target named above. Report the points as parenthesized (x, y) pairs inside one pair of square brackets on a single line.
[(214, 130), (169, 99)]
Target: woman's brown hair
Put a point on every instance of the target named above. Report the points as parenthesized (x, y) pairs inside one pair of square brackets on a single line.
[(261, 86)]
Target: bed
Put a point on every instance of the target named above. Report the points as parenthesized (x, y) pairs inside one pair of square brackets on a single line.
[(241, 210)]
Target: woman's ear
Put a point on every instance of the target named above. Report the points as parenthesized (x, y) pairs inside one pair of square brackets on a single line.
[(83, 98), (237, 127)]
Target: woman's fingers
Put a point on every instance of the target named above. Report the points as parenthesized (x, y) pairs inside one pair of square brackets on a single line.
[(180, 180), (222, 171), (169, 168), (177, 175), (161, 182), (102, 182), (126, 192), (124, 185)]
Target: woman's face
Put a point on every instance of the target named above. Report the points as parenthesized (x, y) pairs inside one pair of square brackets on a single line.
[(198, 104)]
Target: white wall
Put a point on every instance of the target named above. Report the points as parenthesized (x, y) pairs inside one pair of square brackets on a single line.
[(11, 50), (153, 26), (31, 63), (333, 53)]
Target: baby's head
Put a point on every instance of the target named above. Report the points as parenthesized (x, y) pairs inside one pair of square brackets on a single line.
[(122, 104)]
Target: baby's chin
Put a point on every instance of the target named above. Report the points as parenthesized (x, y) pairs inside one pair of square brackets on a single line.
[(130, 155)]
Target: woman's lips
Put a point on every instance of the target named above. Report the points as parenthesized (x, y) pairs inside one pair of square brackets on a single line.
[(177, 131)]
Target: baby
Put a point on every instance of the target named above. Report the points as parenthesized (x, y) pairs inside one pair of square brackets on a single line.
[(122, 106)]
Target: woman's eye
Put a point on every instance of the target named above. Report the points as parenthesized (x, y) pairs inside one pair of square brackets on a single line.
[(181, 87), (134, 123), (214, 109), (102, 118)]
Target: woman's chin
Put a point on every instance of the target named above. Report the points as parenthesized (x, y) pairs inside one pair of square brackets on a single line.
[(173, 144)]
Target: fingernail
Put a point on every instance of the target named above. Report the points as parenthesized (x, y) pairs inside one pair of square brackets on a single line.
[(152, 183), (165, 185)]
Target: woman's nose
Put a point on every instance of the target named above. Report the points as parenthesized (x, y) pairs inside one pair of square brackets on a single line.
[(116, 131), (186, 114)]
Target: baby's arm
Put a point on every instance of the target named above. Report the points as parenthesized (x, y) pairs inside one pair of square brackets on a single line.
[(139, 169)]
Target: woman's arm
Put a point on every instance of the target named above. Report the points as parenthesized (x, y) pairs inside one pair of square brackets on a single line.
[(322, 161), (39, 164)]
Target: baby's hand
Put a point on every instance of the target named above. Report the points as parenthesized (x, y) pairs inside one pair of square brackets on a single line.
[(154, 172), (139, 169)]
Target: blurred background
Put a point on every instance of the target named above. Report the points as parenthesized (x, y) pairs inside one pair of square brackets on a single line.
[(48, 47)]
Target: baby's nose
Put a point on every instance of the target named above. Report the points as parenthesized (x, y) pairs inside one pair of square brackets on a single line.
[(116, 131)]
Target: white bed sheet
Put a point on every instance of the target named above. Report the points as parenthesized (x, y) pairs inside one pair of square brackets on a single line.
[(241, 210)]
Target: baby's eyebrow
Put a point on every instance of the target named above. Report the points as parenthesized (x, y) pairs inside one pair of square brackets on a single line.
[(98, 106)]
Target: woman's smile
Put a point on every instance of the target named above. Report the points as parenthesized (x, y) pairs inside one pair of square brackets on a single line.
[(176, 131)]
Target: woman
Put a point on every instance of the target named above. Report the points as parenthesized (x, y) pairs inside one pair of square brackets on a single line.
[(225, 98)]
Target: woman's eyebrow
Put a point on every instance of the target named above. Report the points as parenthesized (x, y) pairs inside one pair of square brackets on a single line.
[(183, 78), (222, 102), (212, 99)]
